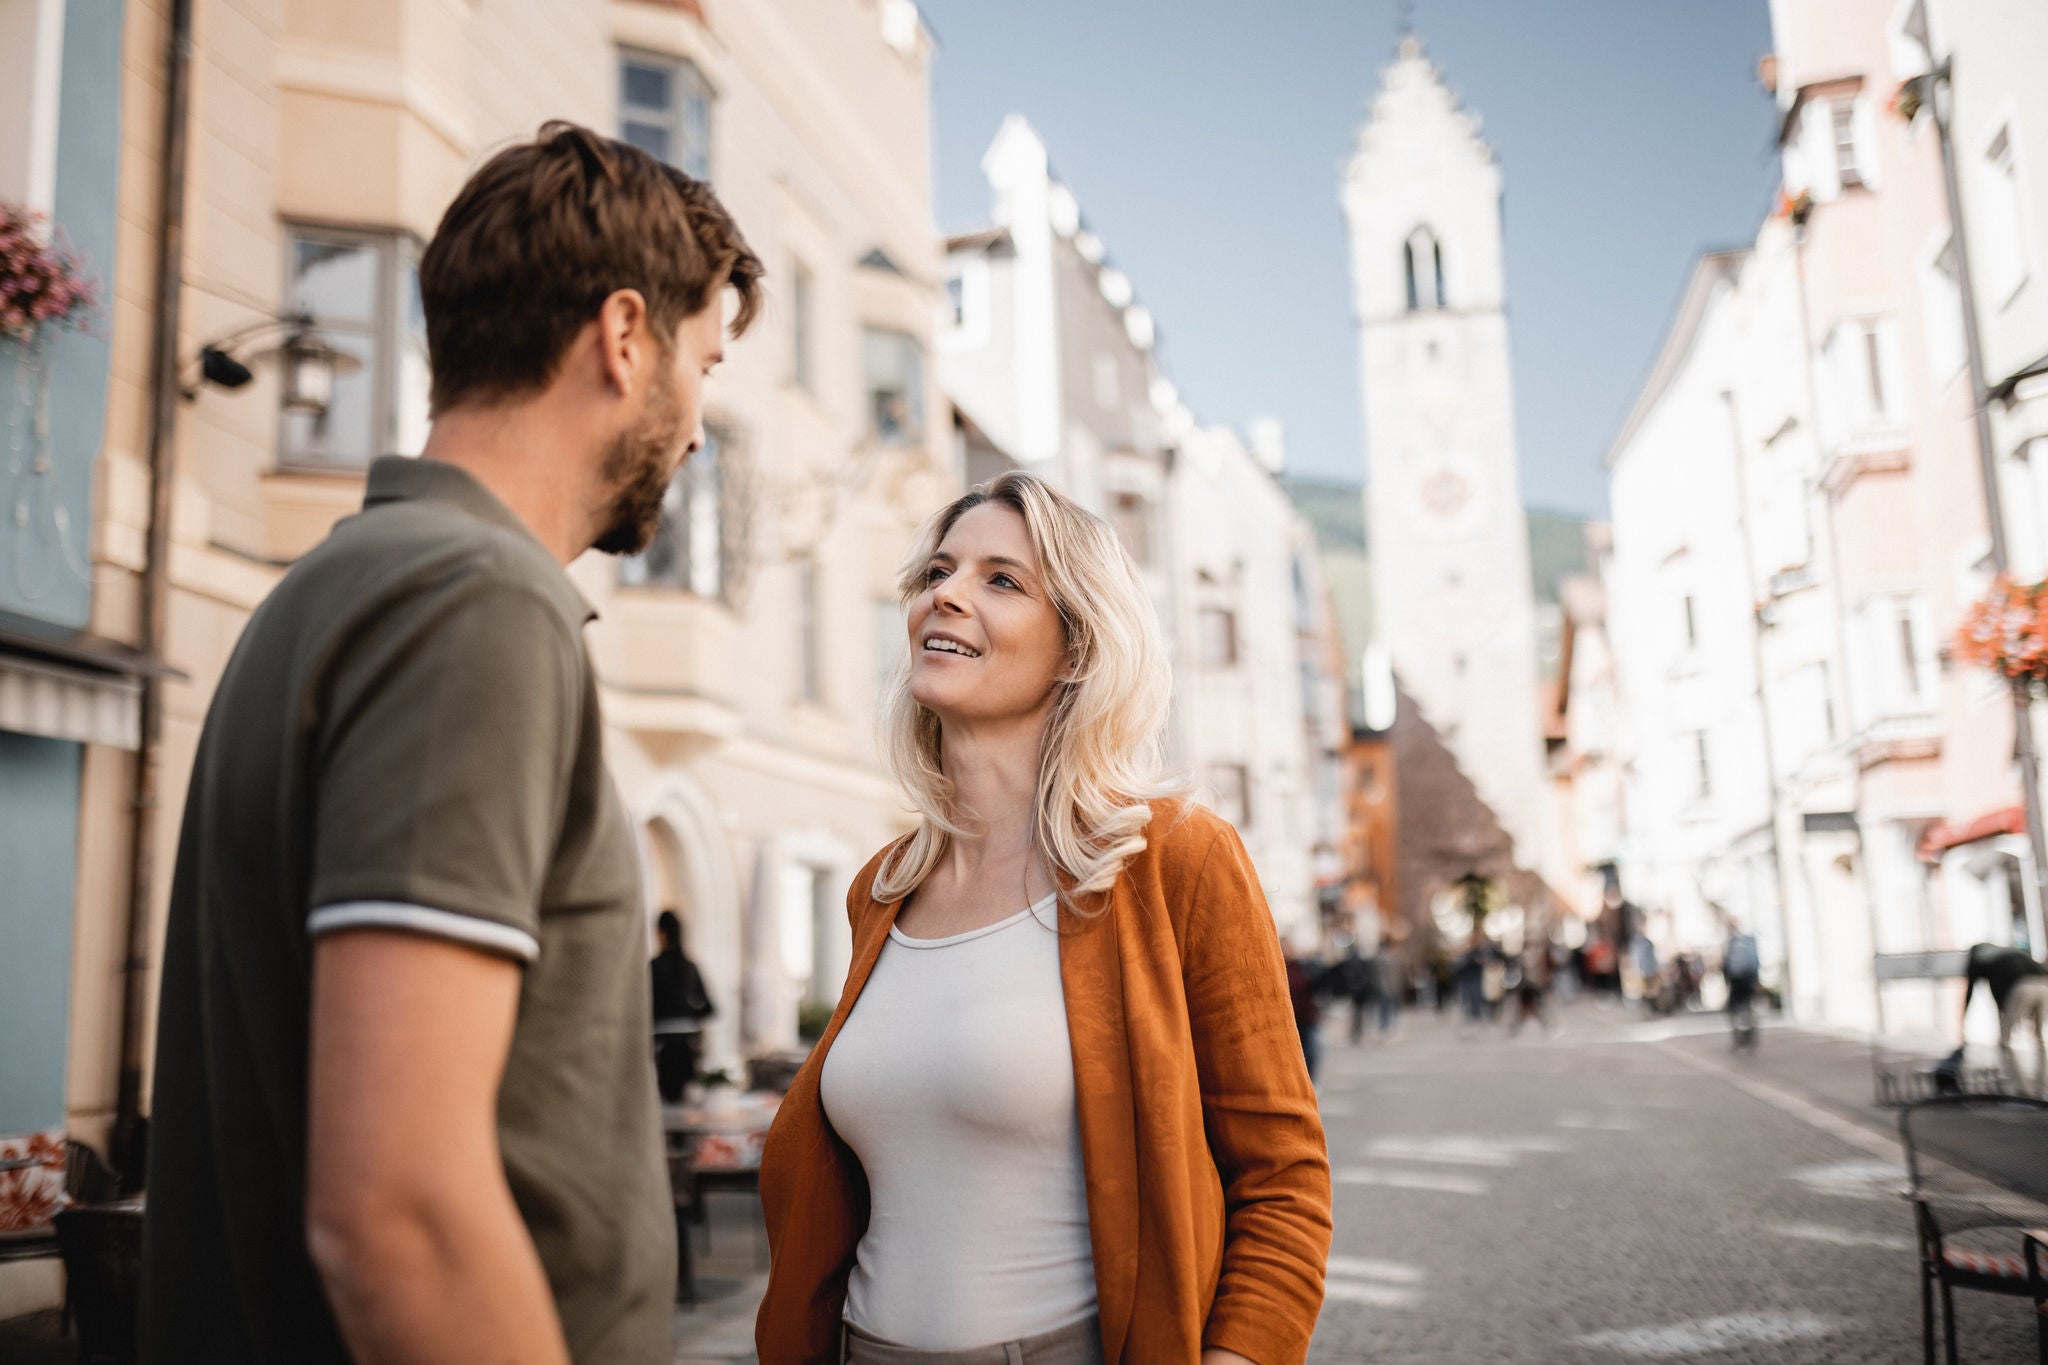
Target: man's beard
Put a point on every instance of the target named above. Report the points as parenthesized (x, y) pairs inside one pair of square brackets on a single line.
[(637, 470)]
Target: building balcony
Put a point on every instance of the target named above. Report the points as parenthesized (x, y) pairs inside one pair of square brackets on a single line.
[(665, 661), (1898, 739)]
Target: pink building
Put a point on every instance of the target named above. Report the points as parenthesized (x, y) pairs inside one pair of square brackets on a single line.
[(1942, 851)]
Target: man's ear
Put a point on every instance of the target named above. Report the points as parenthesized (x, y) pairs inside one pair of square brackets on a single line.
[(622, 339)]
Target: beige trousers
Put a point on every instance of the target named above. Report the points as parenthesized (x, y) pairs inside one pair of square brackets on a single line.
[(1077, 1344)]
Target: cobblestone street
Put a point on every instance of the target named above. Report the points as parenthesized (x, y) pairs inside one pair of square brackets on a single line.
[(1617, 1190)]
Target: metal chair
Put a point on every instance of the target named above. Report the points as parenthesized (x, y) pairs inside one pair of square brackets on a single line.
[(1979, 1171)]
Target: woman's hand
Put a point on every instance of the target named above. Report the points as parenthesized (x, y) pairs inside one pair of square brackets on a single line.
[(1216, 1355)]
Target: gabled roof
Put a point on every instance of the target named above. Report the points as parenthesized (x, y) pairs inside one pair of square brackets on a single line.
[(1712, 270)]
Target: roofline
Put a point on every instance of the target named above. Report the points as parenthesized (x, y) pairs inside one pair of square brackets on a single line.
[(1710, 269)]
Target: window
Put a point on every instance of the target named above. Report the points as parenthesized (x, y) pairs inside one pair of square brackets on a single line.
[(808, 905), (810, 629), (894, 363), (801, 367), (1810, 709), (1422, 260), (1107, 384), (1859, 393), (1216, 630), (891, 643), (1892, 664), (1842, 118), (1702, 766), (1230, 784), (362, 291), (2025, 503), (1941, 295), (1131, 515), (2004, 220), (665, 110), (688, 550), (956, 300)]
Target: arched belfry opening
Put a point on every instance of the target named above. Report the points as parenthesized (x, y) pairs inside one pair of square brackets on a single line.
[(1422, 260)]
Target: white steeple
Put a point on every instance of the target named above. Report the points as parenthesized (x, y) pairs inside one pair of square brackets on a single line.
[(1453, 602)]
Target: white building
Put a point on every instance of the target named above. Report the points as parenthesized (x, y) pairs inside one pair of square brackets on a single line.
[(1681, 615), (1453, 600), (1048, 358)]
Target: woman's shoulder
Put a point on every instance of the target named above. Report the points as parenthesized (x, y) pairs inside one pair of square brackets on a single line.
[(860, 895), (1182, 831)]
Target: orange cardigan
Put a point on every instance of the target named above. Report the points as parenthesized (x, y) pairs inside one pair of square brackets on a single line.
[(1207, 1177)]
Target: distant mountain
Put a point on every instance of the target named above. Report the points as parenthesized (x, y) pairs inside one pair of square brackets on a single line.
[(1557, 547)]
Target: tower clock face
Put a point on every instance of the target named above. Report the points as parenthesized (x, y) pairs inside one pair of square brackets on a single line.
[(1448, 491)]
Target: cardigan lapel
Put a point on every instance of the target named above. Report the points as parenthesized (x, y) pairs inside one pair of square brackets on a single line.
[(1091, 977)]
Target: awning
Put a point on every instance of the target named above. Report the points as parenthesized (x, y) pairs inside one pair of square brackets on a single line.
[(1941, 836), (71, 685)]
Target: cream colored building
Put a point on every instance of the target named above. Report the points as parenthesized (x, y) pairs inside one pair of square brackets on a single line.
[(741, 659)]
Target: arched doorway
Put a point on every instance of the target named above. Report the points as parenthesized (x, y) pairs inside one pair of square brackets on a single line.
[(688, 868)]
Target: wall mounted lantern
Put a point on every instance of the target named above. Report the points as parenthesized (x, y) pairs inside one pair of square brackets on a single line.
[(309, 363)]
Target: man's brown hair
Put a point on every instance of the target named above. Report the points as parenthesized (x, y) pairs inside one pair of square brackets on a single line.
[(543, 233)]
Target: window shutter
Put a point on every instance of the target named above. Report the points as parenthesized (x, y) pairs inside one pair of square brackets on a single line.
[(1863, 127), (1817, 132)]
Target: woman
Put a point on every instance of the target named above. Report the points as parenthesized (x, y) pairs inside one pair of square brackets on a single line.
[(681, 1005), (1061, 1113)]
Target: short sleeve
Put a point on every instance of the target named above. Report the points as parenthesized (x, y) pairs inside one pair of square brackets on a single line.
[(442, 763)]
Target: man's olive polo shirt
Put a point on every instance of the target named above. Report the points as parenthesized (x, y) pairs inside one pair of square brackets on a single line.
[(407, 736)]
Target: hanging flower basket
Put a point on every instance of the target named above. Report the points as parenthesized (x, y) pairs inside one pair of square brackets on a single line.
[(1908, 100), (40, 282), (2006, 630), (1798, 207)]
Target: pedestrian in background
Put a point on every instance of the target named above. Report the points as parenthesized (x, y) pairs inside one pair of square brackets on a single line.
[(1060, 1113), (2019, 988), (681, 1005), (1358, 976), (403, 1108), (1741, 968), (1308, 1013)]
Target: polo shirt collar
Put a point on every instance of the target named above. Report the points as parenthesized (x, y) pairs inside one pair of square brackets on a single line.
[(403, 478)]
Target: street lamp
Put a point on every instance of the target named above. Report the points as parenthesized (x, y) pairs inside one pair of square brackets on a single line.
[(309, 362)]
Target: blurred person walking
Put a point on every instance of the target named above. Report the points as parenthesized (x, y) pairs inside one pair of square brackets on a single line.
[(1060, 1113), (403, 1106), (1740, 969), (2018, 985), (1358, 976), (681, 1005), (1308, 1013)]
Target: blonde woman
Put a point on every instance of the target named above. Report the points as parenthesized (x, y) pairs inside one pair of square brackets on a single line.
[(1060, 1115)]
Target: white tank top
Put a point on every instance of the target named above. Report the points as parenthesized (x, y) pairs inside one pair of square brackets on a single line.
[(953, 1082)]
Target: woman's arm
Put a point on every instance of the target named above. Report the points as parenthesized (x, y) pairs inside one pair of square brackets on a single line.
[(1260, 1111)]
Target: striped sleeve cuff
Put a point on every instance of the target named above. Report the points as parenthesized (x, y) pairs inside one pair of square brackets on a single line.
[(419, 919)]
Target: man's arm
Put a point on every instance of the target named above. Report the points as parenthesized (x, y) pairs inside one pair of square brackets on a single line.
[(408, 1216)]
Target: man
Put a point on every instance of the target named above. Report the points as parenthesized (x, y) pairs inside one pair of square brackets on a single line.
[(1301, 991), (403, 1105)]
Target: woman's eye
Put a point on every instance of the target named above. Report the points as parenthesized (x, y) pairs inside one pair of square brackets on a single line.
[(933, 575), (1003, 580)]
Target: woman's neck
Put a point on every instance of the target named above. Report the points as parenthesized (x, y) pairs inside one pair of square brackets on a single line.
[(995, 793)]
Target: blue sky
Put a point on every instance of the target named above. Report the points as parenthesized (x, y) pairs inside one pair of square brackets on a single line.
[(1203, 139)]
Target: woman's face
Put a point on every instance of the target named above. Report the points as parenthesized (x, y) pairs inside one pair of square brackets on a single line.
[(986, 643)]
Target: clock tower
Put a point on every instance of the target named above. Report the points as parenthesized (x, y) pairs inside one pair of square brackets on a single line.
[(1449, 539)]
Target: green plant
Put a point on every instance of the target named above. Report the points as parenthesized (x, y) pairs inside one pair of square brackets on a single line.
[(811, 1018)]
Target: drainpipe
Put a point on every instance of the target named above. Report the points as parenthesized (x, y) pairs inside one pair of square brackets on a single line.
[(1773, 803), (126, 1147), (1939, 95)]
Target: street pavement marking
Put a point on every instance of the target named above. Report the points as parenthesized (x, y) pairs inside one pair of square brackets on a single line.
[(1457, 1149), (1854, 1179), (1812, 1115), (1374, 1295), (1712, 1334), (1605, 1123), (1409, 1180), (1839, 1237), (1393, 1272)]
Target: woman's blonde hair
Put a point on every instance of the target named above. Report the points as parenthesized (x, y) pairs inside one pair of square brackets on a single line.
[(1102, 758)]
